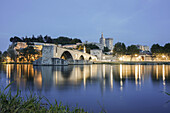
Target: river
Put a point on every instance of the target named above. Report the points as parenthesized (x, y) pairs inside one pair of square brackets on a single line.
[(114, 88)]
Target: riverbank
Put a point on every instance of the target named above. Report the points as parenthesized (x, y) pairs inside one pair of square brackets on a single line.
[(134, 62), (16, 63), (107, 62)]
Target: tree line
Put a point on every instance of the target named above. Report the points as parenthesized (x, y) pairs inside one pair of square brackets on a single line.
[(46, 39), (121, 49), (156, 49)]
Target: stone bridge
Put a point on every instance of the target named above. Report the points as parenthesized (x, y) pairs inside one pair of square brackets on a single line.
[(51, 51)]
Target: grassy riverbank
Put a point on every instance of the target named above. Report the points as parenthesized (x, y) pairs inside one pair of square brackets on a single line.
[(31, 104)]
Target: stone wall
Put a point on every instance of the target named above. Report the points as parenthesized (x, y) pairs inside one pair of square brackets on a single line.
[(97, 53), (47, 54)]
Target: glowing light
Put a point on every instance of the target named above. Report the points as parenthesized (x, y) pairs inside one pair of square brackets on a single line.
[(139, 72), (136, 55), (84, 79), (136, 74), (163, 74), (103, 70), (8, 71), (157, 72), (91, 71), (120, 71), (163, 56), (111, 77), (121, 58), (121, 82), (121, 85)]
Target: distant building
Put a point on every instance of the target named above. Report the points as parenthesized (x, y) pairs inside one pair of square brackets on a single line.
[(106, 42), (97, 44), (72, 46), (109, 43), (143, 47), (21, 45), (102, 40)]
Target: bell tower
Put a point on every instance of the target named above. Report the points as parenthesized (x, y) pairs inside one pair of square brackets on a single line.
[(102, 40)]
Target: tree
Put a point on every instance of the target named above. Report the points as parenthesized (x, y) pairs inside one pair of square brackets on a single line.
[(12, 54), (11, 39), (90, 46), (4, 55), (167, 49), (0, 56), (63, 40), (17, 39), (40, 39), (28, 53), (48, 39), (33, 39), (156, 49), (0, 53), (119, 49), (106, 49), (60, 40), (75, 40), (132, 50)]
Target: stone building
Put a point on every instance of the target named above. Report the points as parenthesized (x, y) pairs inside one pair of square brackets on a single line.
[(106, 42), (143, 47), (98, 53), (21, 45), (102, 40), (109, 43)]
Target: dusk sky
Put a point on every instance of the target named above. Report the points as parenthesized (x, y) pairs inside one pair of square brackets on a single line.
[(130, 21)]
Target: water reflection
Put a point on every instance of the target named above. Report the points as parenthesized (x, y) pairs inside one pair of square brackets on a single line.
[(77, 76)]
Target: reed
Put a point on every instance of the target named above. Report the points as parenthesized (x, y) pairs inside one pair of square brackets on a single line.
[(10, 103)]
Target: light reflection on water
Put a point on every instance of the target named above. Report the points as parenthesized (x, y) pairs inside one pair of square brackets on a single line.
[(100, 81)]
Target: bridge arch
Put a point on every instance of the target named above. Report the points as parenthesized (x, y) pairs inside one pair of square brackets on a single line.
[(66, 55), (90, 58), (81, 57)]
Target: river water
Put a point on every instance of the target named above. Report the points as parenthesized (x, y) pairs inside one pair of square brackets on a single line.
[(114, 88)]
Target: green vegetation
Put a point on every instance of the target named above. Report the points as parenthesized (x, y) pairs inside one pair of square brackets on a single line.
[(46, 39), (106, 49), (119, 49), (0, 56), (31, 104), (12, 53), (90, 46), (28, 53), (156, 49), (4, 56), (66, 40), (132, 50)]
